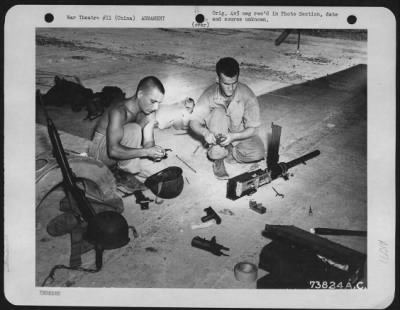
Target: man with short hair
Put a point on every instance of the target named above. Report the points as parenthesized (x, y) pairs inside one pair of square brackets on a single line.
[(226, 116), (125, 133)]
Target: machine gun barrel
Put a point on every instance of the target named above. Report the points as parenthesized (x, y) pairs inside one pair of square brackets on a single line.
[(302, 159), (282, 168)]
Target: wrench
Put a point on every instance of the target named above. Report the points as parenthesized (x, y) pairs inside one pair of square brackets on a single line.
[(277, 193)]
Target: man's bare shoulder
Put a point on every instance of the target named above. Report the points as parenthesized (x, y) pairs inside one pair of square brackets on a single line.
[(114, 114), (117, 112)]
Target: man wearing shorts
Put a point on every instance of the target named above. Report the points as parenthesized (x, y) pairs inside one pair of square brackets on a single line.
[(124, 136)]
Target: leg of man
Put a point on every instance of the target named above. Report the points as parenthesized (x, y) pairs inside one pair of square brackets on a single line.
[(218, 122), (132, 138), (249, 150), (98, 149)]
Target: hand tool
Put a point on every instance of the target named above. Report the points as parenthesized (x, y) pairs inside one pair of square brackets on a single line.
[(277, 193), (186, 164)]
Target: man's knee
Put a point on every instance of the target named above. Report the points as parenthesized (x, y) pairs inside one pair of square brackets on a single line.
[(217, 152), (250, 150), (132, 135)]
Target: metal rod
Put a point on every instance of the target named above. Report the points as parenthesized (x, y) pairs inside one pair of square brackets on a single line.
[(298, 40), (339, 232), (186, 164), (195, 150)]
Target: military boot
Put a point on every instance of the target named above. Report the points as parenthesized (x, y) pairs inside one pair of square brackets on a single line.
[(219, 169)]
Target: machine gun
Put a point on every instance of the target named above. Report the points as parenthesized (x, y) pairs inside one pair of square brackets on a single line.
[(104, 230), (247, 183)]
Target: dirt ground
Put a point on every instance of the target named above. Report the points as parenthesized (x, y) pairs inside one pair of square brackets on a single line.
[(317, 95)]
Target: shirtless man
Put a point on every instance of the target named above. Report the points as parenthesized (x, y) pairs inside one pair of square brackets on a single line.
[(125, 133)]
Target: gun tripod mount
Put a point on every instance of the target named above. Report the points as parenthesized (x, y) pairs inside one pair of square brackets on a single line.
[(211, 215)]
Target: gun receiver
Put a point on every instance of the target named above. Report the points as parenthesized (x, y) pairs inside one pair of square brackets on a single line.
[(248, 182)]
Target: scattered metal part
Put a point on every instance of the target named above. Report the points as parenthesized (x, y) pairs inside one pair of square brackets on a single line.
[(211, 215), (164, 156), (219, 138), (333, 263), (142, 200), (209, 245), (151, 249), (338, 232), (245, 272), (124, 192), (258, 207), (202, 225), (310, 211), (187, 180), (166, 153), (196, 149), (186, 164), (298, 43), (134, 231), (277, 193)]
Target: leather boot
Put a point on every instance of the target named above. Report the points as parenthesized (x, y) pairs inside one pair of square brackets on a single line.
[(230, 159), (219, 169)]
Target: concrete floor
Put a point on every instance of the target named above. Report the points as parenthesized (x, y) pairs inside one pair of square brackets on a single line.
[(316, 111)]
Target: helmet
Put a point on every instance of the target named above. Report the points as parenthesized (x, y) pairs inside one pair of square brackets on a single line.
[(108, 230), (167, 183)]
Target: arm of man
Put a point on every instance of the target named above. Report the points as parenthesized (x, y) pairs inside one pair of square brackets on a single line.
[(115, 133), (148, 132), (118, 151), (235, 136), (251, 120), (197, 119)]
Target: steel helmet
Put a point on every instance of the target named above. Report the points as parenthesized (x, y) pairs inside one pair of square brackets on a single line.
[(108, 230), (167, 183)]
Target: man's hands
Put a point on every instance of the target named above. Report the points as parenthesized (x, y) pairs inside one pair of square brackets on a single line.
[(155, 152), (226, 139), (210, 138), (220, 139)]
